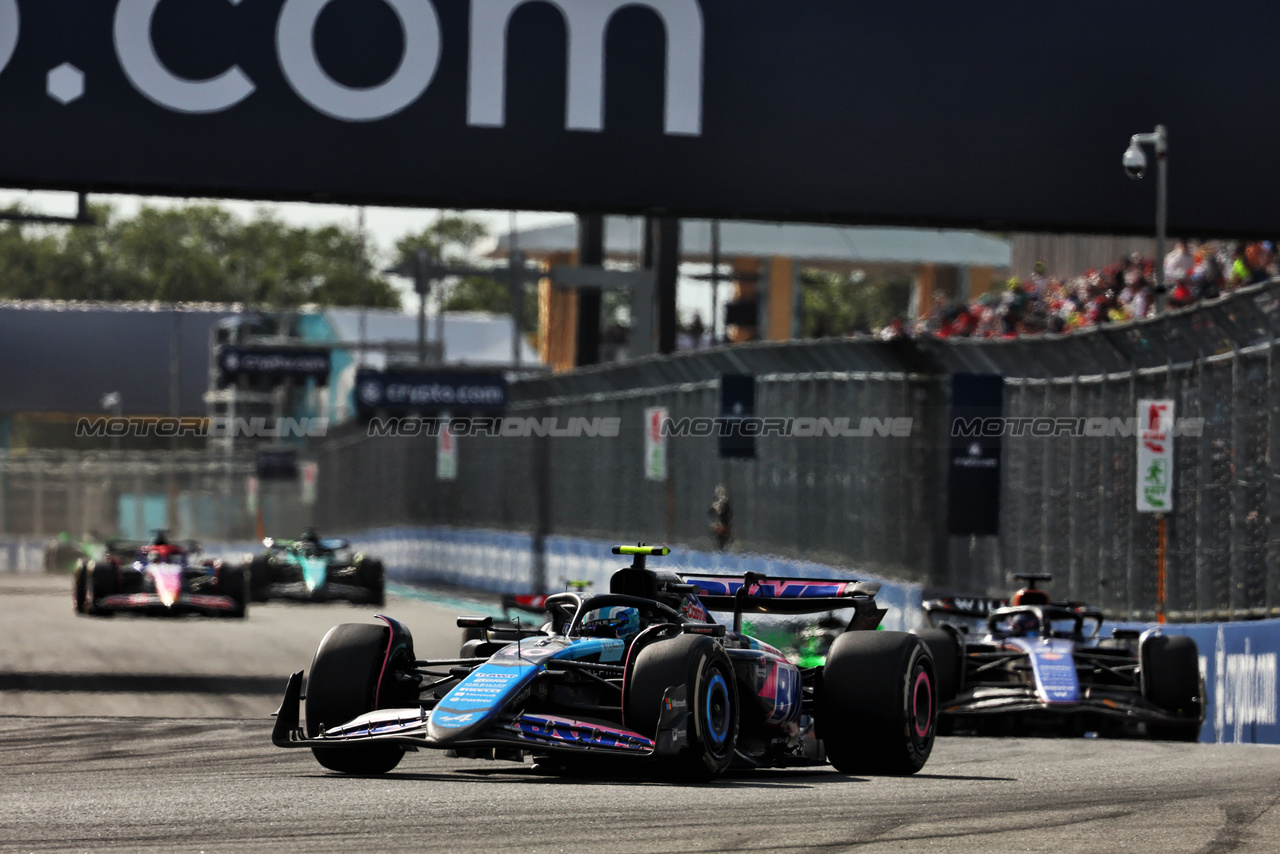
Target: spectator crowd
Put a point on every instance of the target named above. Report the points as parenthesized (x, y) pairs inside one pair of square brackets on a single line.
[(1124, 291)]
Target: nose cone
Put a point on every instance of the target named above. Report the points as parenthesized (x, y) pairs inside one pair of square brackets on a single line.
[(168, 580)]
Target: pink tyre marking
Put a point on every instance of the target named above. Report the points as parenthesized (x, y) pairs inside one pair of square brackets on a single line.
[(922, 679)]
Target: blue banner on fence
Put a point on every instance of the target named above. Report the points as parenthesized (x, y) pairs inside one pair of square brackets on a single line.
[(502, 562)]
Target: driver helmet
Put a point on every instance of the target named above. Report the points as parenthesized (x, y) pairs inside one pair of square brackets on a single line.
[(1024, 624), (614, 621)]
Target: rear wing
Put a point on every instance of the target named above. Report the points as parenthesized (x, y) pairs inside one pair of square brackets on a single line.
[(976, 607), (756, 594)]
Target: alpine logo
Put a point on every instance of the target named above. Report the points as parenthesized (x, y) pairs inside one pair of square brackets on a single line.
[(455, 719)]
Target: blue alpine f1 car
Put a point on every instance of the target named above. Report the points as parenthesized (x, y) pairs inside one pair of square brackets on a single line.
[(1031, 664), (640, 674)]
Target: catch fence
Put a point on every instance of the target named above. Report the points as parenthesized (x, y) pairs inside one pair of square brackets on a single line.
[(87, 496), (878, 503)]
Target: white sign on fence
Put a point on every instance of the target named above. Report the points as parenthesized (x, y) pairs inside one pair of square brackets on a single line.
[(446, 455), (655, 443), (1155, 456), (310, 474)]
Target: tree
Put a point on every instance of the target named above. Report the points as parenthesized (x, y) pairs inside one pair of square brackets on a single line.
[(193, 253), (840, 304), (452, 241)]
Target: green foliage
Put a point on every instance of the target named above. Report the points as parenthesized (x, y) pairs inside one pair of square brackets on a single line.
[(837, 304), (454, 240), (194, 253)]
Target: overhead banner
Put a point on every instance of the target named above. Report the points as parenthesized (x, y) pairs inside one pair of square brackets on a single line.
[(708, 107), (655, 443), (1155, 456), (973, 476), (430, 392)]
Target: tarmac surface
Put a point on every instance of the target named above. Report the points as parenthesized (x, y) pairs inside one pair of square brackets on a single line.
[(119, 735)]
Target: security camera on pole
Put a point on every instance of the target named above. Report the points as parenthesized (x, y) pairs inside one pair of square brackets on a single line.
[(1135, 164)]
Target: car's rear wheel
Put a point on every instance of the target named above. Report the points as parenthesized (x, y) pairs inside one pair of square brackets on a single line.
[(372, 577), (946, 660), (704, 669), (877, 703), (1171, 680), (343, 684)]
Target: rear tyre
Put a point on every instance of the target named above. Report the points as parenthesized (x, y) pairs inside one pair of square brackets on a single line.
[(1171, 680), (946, 660), (233, 582), (342, 685), (877, 703), (373, 578), (704, 669)]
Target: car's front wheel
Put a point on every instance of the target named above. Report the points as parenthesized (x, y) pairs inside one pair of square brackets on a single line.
[(101, 580), (233, 583), (704, 669), (343, 684), (80, 587)]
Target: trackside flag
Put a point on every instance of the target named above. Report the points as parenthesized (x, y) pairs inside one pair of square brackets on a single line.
[(1155, 456)]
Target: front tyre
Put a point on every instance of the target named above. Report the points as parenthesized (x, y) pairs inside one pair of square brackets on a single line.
[(233, 582), (80, 587), (343, 684), (701, 665), (101, 580), (877, 703)]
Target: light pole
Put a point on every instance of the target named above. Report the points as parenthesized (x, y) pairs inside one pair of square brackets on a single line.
[(1135, 164)]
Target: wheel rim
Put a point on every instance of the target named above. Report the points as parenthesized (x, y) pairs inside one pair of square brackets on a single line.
[(921, 708), (719, 712)]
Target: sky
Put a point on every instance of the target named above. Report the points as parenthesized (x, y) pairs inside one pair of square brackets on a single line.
[(384, 226)]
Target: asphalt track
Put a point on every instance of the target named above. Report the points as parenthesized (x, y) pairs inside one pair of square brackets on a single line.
[(194, 770)]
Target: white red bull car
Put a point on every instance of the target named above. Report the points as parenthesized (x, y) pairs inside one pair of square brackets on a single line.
[(641, 675), (162, 579), (1030, 664)]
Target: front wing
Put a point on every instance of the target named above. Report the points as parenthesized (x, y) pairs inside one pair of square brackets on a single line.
[(1023, 699), (522, 731), (331, 592), (151, 603)]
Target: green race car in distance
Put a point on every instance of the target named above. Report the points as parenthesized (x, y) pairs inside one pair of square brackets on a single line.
[(316, 569), (805, 643)]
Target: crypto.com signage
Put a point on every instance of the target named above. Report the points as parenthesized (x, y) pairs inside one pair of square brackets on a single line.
[(996, 113)]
